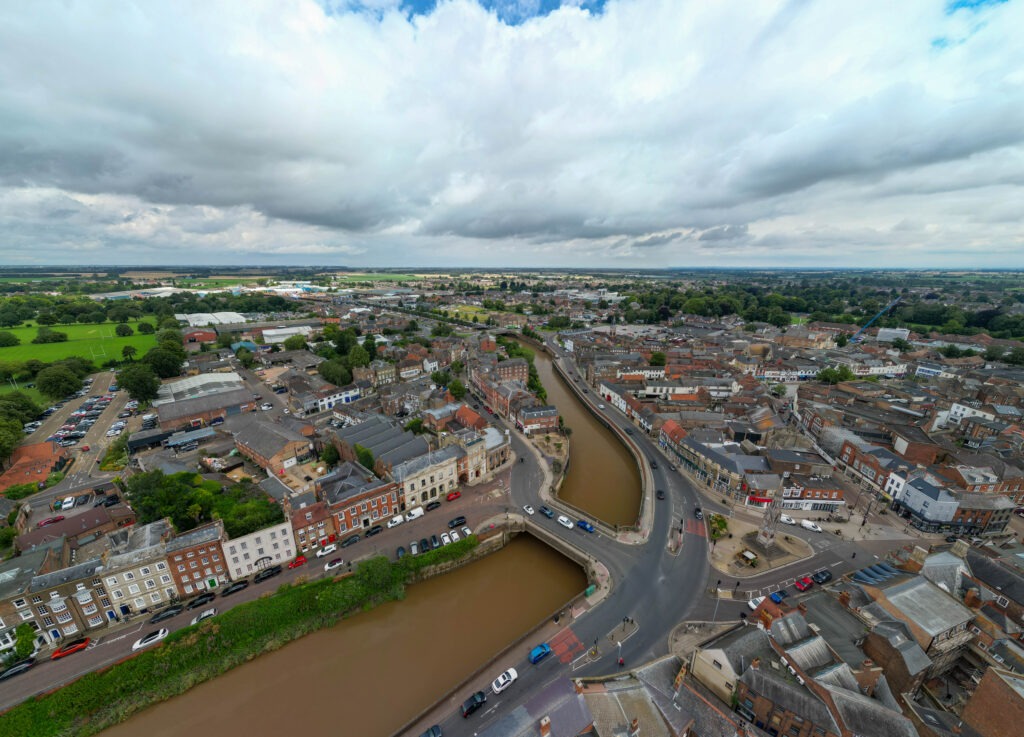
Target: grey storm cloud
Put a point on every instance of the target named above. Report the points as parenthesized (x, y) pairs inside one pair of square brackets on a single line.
[(451, 137)]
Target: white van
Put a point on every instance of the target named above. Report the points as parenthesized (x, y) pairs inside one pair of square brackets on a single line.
[(808, 525), (395, 521), (414, 513)]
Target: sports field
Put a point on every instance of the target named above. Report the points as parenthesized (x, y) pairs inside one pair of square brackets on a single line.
[(95, 342)]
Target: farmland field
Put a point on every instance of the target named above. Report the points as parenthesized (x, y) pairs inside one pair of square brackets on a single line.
[(376, 277), (95, 342), (216, 282)]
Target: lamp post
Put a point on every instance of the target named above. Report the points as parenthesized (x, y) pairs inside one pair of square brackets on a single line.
[(714, 616)]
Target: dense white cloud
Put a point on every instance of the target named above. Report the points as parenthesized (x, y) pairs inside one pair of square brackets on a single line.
[(654, 133)]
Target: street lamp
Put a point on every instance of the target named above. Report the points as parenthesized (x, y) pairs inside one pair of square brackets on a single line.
[(714, 616)]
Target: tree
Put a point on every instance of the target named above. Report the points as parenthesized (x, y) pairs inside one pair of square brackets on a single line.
[(46, 335), (57, 382), (457, 389), (25, 641), (364, 456), (8, 339), (295, 343), (146, 328), (415, 426), (441, 378), (165, 363), (370, 345), (119, 314), (129, 352), (357, 356), (330, 456), (336, 372), (20, 406), (834, 376), (992, 353), (457, 367), (46, 318), (657, 358), (140, 381), (11, 435), (842, 339), (123, 331)]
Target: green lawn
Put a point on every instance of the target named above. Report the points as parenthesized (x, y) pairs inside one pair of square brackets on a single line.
[(95, 342), (32, 393)]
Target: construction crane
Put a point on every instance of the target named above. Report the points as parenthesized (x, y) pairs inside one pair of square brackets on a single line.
[(856, 336)]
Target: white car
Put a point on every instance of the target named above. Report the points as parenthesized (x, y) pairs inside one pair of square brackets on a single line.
[(326, 550), (151, 638), (446, 539), (505, 680), (755, 602), (565, 522), (395, 521), (528, 509), (455, 535), (332, 564), (205, 614), (266, 406), (466, 532), (786, 519)]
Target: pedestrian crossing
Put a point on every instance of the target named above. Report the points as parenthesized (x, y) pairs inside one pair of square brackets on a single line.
[(566, 645), (696, 527)]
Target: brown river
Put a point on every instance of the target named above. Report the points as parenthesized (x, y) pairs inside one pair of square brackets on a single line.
[(372, 673)]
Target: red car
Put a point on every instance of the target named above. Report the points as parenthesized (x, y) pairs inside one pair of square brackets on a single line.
[(50, 520), (803, 584), (453, 496), (71, 647), (300, 561)]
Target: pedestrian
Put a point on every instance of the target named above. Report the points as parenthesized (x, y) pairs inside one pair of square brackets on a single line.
[(853, 555)]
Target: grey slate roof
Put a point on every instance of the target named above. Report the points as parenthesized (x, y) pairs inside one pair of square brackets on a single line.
[(866, 716), (840, 628), (925, 604), (996, 576), (415, 465), (198, 536), (85, 569), (267, 439), (348, 480), (17, 573), (199, 405), (790, 696), (901, 639)]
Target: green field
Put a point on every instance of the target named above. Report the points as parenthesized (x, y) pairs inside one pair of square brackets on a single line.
[(87, 341), (215, 283), (31, 393), (376, 277)]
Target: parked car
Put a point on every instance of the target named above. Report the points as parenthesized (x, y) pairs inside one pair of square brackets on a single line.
[(150, 639), (375, 530), (332, 564), (455, 535), (446, 539), (565, 522), (399, 552), (505, 680), (414, 513), (433, 505), (540, 652), (786, 519), (171, 611), (434, 731), (822, 576), (326, 550), (546, 512), (528, 509), (395, 521), (424, 545), (201, 600), (235, 588), (69, 648), (473, 703), (205, 614), (50, 520), (584, 525), (299, 561), (414, 548), (17, 669), (778, 596), (802, 584), (455, 522), (111, 500), (350, 541), (755, 602), (453, 496), (808, 525), (466, 532), (435, 543), (272, 571)]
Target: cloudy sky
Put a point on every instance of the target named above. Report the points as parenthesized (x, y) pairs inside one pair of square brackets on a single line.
[(614, 133)]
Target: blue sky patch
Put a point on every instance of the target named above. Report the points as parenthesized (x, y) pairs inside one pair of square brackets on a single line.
[(955, 5)]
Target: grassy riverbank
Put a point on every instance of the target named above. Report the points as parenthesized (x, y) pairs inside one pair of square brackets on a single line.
[(196, 654)]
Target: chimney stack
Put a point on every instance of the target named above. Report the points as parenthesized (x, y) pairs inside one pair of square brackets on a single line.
[(545, 727)]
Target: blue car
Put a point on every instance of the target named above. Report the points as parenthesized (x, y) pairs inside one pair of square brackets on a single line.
[(540, 652), (778, 596), (584, 525)]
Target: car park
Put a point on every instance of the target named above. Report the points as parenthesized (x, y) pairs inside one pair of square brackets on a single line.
[(546, 512), (17, 669), (565, 522), (350, 541), (786, 519), (271, 572), (326, 550), (332, 564), (778, 596), (584, 525), (150, 639), (201, 600), (205, 614), (473, 703), (503, 681), (539, 653), (299, 561), (453, 523), (446, 539), (70, 648), (375, 530), (453, 496), (755, 602), (528, 509), (171, 611), (802, 584), (235, 588), (821, 577), (433, 505)]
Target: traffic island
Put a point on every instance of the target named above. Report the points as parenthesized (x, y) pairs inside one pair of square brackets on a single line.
[(737, 553)]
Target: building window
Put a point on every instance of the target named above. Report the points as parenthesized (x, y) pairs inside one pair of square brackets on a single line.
[(19, 603), (144, 570), (133, 589), (161, 566)]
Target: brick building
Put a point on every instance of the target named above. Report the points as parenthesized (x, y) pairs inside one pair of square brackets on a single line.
[(996, 709), (356, 499), (196, 559)]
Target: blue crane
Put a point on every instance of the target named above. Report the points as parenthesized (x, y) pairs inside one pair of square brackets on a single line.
[(856, 336)]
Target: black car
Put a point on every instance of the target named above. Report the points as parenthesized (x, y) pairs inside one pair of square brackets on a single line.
[(201, 599), (375, 530), (660, 493), (350, 541), (171, 611), (266, 573), (400, 553), (629, 431), (433, 505), (434, 542), (457, 522), (473, 703), (111, 500), (20, 667), (822, 577), (951, 538), (434, 731), (235, 588), (698, 513), (424, 545), (547, 512)]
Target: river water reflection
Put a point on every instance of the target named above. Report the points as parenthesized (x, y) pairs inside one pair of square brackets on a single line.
[(372, 673)]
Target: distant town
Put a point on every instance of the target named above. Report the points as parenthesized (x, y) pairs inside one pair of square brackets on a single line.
[(825, 538)]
